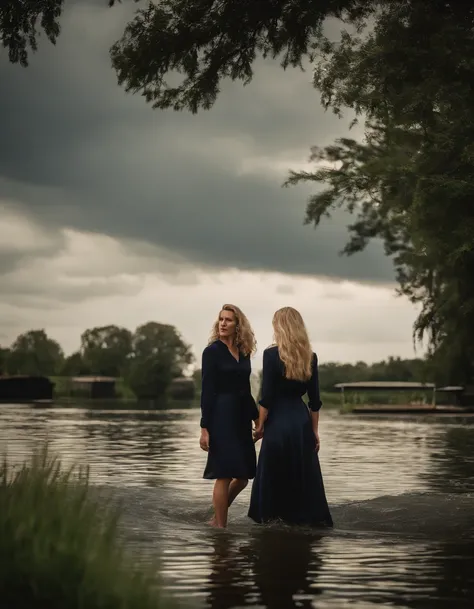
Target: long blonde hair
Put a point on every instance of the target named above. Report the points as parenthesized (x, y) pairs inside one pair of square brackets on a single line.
[(244, 336), (294, 348)]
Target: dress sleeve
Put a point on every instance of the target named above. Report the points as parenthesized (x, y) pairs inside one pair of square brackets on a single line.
[(268, 380), (209, 385), (314, 397)]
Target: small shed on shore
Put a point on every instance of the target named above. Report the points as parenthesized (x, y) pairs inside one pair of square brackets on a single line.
[(18, 389), (94, 387), (456, 395), (182, 388)]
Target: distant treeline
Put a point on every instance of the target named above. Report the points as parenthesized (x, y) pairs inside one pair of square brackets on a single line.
[(147, 360), (392, 369), (150, 358)]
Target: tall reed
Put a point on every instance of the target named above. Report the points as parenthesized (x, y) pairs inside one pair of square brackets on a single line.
[(59, 548)]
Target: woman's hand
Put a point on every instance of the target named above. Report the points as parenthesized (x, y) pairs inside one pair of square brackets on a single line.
[(204, 440), (317, 441), (257, 434)]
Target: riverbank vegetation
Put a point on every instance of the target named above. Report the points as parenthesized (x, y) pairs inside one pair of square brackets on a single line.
[(60, 547), (148, 364), (145, 361)]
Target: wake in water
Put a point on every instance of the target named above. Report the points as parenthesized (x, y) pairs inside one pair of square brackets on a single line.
[(410, 515)]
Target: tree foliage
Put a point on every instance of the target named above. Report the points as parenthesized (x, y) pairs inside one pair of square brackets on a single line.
[(206, 41), (406, 69), (393, 369), (159, 356), (4, 353), (149, 359), (410, 182), (21, 22), (34, 354), (106, 350), (74, 365)]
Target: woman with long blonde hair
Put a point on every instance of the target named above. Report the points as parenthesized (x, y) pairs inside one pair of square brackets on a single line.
[(288, 485), (228, 409)]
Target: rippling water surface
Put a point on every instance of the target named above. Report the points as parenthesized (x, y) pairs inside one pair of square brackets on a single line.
[(401, 492)]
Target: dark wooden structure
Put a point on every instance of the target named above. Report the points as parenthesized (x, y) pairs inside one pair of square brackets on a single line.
[(182, 388), (94, 387), (25, 389), (456, 396)]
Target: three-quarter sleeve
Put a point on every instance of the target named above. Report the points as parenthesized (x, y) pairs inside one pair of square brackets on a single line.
[(314, 398), (268, 379), (209, 385)]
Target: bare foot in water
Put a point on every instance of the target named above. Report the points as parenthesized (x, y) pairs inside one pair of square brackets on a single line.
[(212, 522)]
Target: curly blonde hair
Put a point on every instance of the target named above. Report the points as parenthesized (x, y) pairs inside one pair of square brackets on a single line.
[(292, 340), (244, 336)]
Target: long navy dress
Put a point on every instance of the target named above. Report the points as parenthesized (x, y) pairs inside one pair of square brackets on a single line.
[(228, 408), (288, 485)]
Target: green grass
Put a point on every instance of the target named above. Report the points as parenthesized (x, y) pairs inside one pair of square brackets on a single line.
[(331, 399), (62, 385), (59, 548)]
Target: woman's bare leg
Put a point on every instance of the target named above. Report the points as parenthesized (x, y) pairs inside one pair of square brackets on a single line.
[(220, 500), (235, 488)]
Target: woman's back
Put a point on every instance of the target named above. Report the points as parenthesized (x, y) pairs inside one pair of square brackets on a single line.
[(277, 388)]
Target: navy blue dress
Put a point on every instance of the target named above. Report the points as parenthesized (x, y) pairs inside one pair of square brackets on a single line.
[(228, 408), (288, 485)]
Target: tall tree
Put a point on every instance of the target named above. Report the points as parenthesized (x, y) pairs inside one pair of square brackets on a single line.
[(4, 353), (106, 350), (411, 181), (159, 356), (406, 70), (34, 353), (74, 365)]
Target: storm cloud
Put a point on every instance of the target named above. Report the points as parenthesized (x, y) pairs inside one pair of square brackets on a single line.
[(76, 152)]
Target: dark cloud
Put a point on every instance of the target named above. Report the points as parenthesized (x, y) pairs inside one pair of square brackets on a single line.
[(75, 151)]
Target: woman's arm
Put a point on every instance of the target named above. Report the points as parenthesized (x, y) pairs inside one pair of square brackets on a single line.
[(253, 408), (208, 393), (263, 414), (267, 391), (314, 398)]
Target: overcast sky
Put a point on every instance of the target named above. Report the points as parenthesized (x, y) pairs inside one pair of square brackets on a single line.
[(112, 212)]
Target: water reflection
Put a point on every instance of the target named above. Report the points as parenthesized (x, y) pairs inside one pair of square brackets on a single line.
[(286, 566), (229, 582), (273, 568), (396, 542), (451, 462), (456, 580)]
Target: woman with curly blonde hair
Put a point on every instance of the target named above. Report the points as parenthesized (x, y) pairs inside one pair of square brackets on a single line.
[(228, 409), (288, 485)]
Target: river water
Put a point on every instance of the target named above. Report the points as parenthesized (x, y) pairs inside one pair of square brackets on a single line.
[(401, 491)]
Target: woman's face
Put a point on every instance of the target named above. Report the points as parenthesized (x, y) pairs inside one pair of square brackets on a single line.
[(227, 324)]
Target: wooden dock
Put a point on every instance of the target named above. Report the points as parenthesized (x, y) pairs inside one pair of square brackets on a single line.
[(418, 409)]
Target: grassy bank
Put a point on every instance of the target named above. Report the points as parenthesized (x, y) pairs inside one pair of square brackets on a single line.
[(331, 399), (59, 549)]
